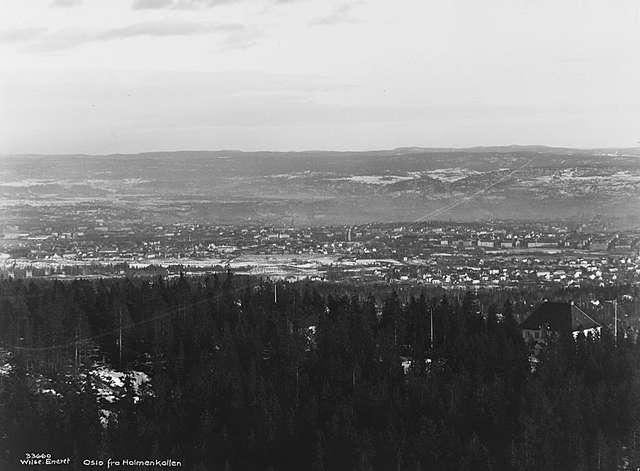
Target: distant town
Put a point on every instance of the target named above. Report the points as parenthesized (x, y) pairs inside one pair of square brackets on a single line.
[(446, 254)]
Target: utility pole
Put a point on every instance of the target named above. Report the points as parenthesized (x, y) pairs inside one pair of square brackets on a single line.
[(275, 293), (614, 302), (75, 361), (615, 321), (120, 337), (431, 326)]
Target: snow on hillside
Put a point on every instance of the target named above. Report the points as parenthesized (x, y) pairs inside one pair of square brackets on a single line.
[(585, 176), (379, 179), (453, 174)]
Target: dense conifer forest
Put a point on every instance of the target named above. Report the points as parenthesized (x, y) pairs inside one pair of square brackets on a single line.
[(247, 375)]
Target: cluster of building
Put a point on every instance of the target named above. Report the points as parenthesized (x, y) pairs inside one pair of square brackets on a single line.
[(445, 254)]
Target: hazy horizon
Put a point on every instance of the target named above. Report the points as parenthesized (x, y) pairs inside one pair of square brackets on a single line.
[(344, 150)]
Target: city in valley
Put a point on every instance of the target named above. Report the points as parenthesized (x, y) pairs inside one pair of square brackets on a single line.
[(484, 217), (451, 255)]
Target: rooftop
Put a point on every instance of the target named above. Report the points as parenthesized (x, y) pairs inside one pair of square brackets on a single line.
[(559, 317)]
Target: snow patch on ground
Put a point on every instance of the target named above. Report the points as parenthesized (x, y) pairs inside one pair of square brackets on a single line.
[(111, 383), (406, 362), (581, 176), (379, 179), (27, 182), (291, 176), (97, 183), (453, 174), (5, 365), (51, 391), (5, 369), (106, 415)]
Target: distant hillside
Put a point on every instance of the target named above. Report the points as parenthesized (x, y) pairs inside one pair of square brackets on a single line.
[(318, 187)]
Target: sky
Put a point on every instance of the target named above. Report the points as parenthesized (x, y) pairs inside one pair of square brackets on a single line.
[(125, 76)]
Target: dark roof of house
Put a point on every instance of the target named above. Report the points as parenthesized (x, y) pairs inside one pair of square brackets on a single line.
[(559, 317)]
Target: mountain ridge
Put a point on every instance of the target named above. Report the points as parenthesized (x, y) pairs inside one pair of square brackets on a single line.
[(405, 150)]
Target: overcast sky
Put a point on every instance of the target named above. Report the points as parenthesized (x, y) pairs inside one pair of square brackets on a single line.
[(103, 76)]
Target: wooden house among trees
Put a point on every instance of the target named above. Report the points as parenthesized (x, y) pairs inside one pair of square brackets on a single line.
[(558, 318)]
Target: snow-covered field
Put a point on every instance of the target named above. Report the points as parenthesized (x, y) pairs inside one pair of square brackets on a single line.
[(447, 175), (27, 182), (379, 179), (98, 183), (570, 175), (452, 174)]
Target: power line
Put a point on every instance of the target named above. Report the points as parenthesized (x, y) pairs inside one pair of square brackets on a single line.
[(119, 329), (456, 203)]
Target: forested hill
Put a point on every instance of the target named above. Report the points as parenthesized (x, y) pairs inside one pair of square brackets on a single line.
[(244, 376)]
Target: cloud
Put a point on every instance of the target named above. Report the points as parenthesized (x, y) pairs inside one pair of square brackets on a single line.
[(186, 4), (151, 4), (66, 3), (167, 28), (240, 39), (17, 35), (341, 14), (234, 35), (177, 4)]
